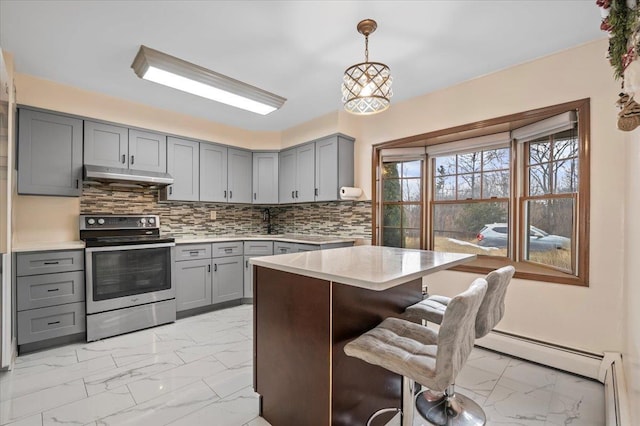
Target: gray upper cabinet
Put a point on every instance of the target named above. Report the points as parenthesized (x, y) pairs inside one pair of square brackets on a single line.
[(213, 172), (239, 176), (183, 164), (147, 151), (305, 176), (106, 145), (49, 154), (287, 176), (333, 166), (115, 146), (296, 176), (265, 177)]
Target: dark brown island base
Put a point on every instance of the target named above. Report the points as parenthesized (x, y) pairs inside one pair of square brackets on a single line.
[(307, 306)]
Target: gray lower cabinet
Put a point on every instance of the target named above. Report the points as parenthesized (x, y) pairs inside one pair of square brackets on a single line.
[(183, 164), (227, 281), (253, 249), (50, 294), (49, 154), (239, 176), (193, 284), (265, 177), (284, 247)]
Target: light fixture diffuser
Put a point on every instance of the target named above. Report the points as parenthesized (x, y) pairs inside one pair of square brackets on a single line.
[(153, 65)]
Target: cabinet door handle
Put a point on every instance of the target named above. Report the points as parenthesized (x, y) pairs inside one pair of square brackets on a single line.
[(246, 263), (52, 263), (230, 194), (209, 268), (170, 190), (293, 194), (132, 159), (316, 192), (255, 196), (215, 267), (296, 194), (124, 158), (77, 183), (53, 289), (225, 195)]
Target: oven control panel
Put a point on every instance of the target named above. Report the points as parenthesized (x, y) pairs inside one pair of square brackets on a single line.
[(118, 221)]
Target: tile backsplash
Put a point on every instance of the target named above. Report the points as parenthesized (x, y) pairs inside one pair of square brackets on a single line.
[(345, 218)]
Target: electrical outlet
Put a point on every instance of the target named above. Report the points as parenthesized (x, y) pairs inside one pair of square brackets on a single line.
[(213, 215)]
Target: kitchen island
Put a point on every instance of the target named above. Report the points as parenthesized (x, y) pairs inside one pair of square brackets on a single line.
[(307, 306)]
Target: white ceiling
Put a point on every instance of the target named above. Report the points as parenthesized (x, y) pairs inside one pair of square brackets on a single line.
[(296, 49)]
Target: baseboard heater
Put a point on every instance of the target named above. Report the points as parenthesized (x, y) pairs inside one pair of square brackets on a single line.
[(605, 368)]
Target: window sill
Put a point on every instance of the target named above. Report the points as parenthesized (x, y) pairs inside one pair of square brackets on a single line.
[(524, 270)]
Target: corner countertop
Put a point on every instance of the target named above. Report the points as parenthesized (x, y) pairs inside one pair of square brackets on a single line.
[(289, 238), (371, 267), (47, 246)]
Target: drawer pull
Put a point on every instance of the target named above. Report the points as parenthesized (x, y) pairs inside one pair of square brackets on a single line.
[(53, 289), (53, 323), (228, 250), (194, 252), (52, 263)]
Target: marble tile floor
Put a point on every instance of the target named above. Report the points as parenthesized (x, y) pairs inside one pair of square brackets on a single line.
[(198, 371)]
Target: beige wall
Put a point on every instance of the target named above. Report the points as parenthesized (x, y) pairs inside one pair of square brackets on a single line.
[(585, 318), (631, 293)]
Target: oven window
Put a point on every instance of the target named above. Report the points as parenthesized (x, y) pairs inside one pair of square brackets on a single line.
[(124, 273)]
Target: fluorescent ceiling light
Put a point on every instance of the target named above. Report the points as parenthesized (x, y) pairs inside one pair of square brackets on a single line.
[(168, 70)]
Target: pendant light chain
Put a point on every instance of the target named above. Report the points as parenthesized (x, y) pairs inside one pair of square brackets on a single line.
[(366, 48)]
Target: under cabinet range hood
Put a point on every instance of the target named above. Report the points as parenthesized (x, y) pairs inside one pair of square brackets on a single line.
[(116, 175)]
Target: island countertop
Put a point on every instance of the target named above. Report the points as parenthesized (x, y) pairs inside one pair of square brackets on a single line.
[(370, 267)]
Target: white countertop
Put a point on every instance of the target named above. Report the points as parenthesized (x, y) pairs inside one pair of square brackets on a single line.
[(46, 246), (371, 267), (290, 238)]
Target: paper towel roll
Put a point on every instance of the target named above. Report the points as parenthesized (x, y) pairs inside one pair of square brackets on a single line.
[(349, 193)]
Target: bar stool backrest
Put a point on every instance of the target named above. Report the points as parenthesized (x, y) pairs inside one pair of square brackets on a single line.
[(492, 308), (457, 333)]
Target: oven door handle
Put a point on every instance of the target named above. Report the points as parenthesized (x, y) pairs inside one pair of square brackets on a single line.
[(129, 247)]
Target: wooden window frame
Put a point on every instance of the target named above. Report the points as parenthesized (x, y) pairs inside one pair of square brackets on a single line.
[(485, 264)]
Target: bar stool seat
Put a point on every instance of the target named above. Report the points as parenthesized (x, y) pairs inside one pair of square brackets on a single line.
[(420, 354)]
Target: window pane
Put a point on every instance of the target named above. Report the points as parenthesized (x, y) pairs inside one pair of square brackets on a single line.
[(445, 188), (445, 165), (539, 180), (391, 215), (565, 148), (391, 170), (391, 190), (495, 159), (391, 237), (539, 152), (495, 184), (468, 228), (549, 240), (565, 176), (411, 190), (412, 169), (470, 162), (469, 186), (411, 238), (411, 216)]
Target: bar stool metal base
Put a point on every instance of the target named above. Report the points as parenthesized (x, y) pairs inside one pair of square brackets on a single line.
[(453, 409)]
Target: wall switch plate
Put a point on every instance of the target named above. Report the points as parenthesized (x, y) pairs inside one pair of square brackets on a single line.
[(214, 215)]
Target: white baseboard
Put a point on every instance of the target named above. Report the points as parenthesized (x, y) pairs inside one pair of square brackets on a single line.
[(615, 390), (574, 361)]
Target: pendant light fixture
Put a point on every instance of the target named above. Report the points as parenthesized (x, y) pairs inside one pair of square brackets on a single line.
[(366, 87)]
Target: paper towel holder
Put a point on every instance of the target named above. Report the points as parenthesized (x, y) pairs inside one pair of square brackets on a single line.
[(350, 193)]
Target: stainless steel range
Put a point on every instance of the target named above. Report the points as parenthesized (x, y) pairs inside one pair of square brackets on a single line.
[(128, 274)]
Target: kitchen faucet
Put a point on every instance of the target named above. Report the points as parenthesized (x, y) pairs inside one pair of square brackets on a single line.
[(266, 217)]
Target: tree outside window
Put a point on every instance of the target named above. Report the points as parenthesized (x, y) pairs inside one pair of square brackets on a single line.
[(402, 204)]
